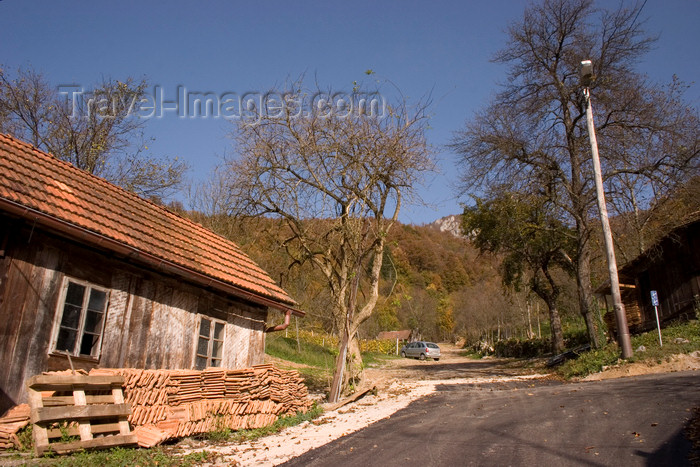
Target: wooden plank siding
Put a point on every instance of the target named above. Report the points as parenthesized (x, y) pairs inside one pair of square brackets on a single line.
[(151, 322), (28, 308), (672, 268)]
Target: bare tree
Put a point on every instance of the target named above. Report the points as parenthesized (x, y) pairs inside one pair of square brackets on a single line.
[(335, 182), (99, 132), (533, 138)]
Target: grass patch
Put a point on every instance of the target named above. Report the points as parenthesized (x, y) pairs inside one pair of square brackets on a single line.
[(221, 432), (590, 362), (373, 359), (318, 360), (118, 457), (307, 353), (679, 338)]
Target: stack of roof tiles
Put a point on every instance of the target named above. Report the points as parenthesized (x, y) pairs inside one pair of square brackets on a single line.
[(10, 423), (169, 404), (175, 403)]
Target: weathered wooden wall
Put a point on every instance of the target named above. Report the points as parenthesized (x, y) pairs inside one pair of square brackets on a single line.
[(673, 270), (152, 319)]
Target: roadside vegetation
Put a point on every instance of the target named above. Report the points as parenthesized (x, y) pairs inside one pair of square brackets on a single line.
[(158, 456), (679, 338)]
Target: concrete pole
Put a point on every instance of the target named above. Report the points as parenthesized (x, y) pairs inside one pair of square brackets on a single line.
[(623, 334)]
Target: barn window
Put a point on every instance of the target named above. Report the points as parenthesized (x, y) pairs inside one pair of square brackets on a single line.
[(210, 345), (81, 317)]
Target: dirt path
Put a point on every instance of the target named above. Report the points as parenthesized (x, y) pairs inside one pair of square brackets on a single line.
[(450, 366)]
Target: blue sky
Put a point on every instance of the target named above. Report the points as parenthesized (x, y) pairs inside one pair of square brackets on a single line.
[(441, 48)]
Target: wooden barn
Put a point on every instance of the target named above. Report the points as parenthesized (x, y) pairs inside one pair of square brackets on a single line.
[(92, 275), (403, 335), (672, 268)]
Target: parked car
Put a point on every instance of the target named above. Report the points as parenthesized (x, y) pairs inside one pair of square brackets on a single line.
[(421, 350)]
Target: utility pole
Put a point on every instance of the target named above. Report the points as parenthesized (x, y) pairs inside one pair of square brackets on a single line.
[(623, 334)]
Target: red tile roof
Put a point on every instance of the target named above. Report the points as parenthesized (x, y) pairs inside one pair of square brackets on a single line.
[(56, 191)]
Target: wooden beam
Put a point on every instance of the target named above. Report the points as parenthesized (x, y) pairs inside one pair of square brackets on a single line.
[(54, 401), (85, 412), (118, 396), (353, 398), (68, 382), (96, 443), (83, 424), (97, 429), (39, 433)]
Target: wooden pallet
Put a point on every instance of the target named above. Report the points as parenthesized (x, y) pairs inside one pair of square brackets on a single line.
[(75, 405)]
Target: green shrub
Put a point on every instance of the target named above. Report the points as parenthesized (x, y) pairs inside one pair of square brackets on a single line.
[(516, 348), (535, 347), (590, 362), (575, 338), (320, 339)]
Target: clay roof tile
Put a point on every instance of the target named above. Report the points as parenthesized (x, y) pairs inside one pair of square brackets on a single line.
[(41, 182)]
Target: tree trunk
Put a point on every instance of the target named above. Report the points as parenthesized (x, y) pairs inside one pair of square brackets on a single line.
[(549, 292), (585, 290), (348, 367), (555, 323), (353, 364), (340, 361)]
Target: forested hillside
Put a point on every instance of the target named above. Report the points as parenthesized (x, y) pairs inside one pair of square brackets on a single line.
[(437, 282), (432, 281)]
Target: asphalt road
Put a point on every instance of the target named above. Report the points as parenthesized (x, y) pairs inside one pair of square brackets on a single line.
[(620, 422)]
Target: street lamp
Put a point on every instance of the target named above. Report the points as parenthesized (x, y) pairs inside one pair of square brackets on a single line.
[(623, 334)]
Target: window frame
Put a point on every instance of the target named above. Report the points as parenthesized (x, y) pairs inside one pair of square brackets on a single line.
[(210, 342), (58, 320)]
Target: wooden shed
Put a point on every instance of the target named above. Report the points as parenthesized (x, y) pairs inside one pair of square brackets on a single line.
[(671, 267), (92, 275), (402, 335)]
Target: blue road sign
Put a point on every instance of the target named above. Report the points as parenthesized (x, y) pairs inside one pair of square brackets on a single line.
[(654, 298)]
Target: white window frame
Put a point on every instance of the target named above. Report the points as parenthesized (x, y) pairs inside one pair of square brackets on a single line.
[(210, 341), (83, 314)]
